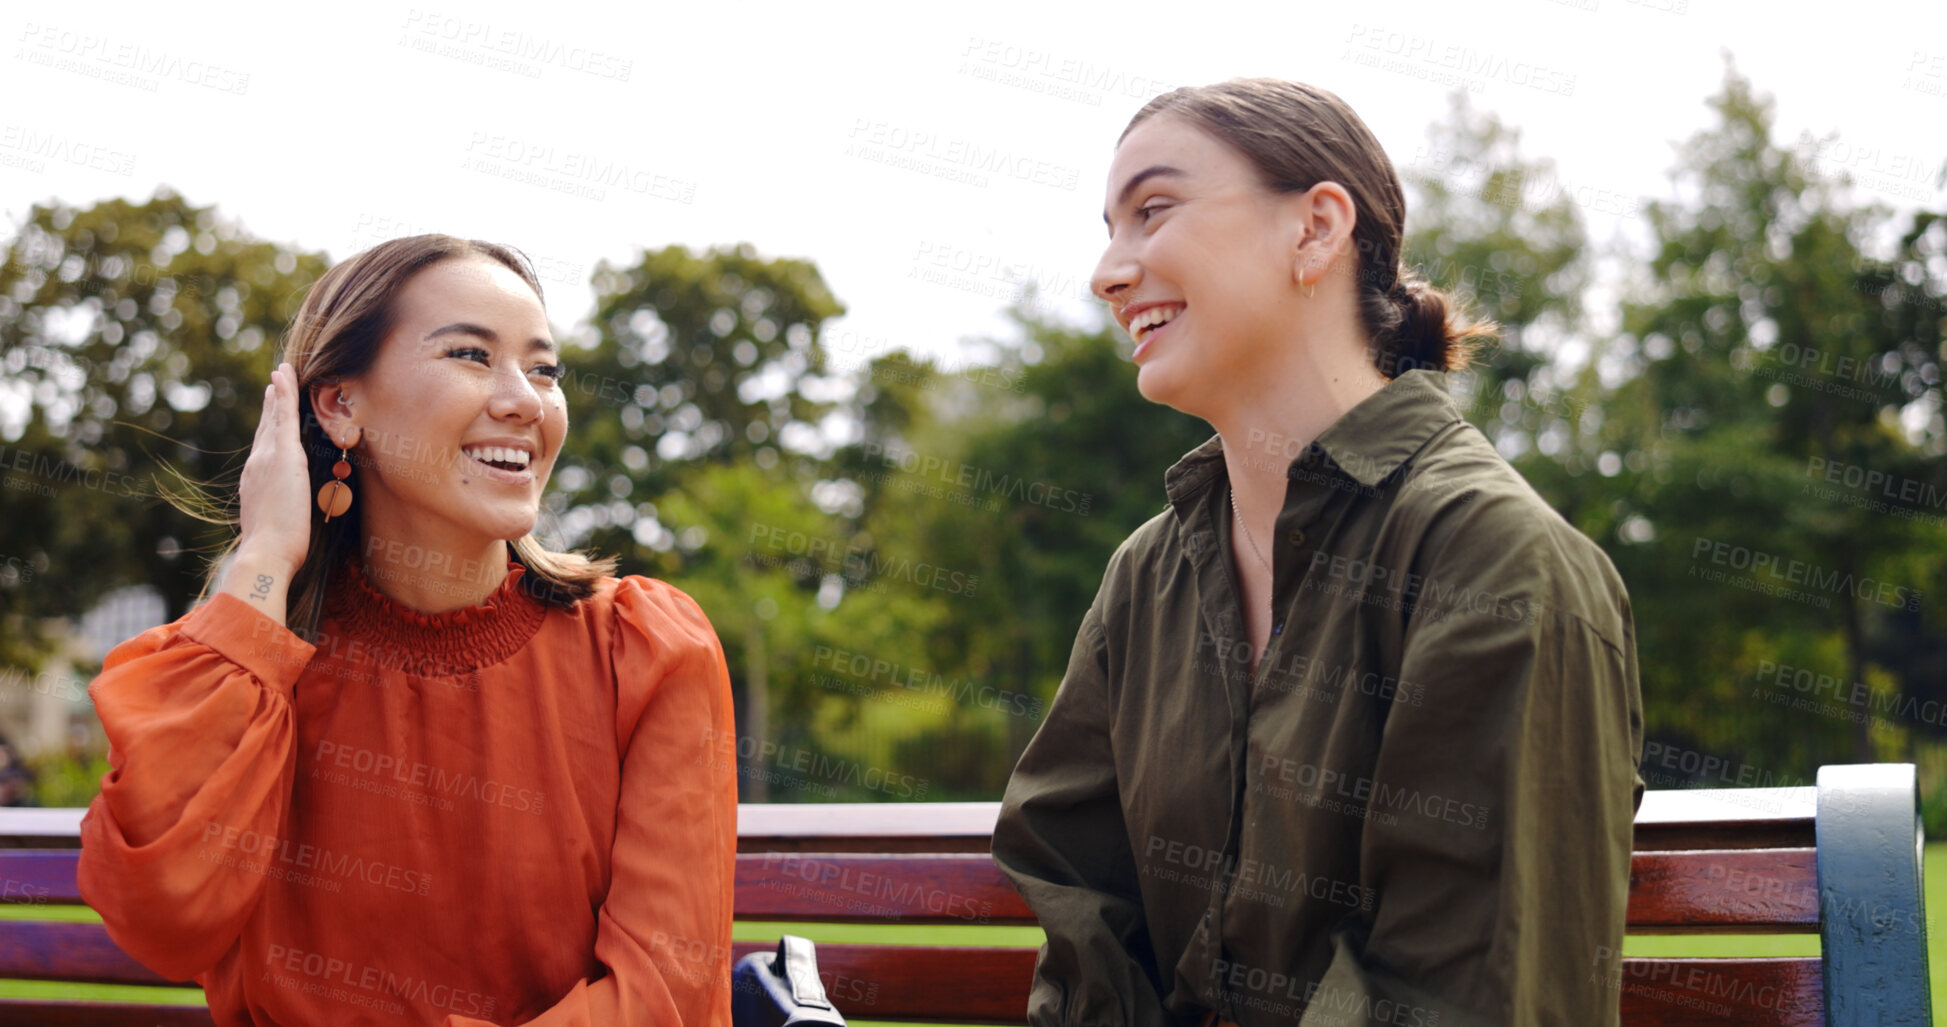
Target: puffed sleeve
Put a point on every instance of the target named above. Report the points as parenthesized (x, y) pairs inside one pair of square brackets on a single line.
[(1061, 838), (663, 931), (200, 744), (1507, 907)]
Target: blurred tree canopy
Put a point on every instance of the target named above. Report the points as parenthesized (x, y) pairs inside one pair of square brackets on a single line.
[(897, 557), (130, 333), (705, 357), (1498, 232), (1025, 479), (1758, 449), (1761, 347)]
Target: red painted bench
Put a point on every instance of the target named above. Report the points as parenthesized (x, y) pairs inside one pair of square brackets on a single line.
[(1840, 860)]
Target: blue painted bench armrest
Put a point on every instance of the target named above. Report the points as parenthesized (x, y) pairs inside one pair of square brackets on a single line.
[(1872, 905)]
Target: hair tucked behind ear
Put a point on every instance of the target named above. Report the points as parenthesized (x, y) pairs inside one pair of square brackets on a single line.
[(337, 334), (1298, 135)]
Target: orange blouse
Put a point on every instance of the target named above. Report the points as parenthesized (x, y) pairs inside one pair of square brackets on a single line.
[(504, 814)]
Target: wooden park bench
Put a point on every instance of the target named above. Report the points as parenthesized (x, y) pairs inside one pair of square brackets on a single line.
[(1841, 860)]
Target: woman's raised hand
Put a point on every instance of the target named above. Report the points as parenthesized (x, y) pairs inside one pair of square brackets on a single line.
[(274, 500)]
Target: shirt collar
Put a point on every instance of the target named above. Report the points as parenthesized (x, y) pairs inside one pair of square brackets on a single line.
[(1368, 443)]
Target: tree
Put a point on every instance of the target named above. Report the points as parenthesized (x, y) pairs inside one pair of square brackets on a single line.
[(694, 440), (133, 335), (1503, 234), (1023, 476), (1761, 349), (700, 359)]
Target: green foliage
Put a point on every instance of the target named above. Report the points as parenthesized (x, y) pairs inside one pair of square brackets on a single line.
[(694, 358), (1498, 232), (1763, 347), (694, 439), (141, 333), (68, 779), (1027, 480)]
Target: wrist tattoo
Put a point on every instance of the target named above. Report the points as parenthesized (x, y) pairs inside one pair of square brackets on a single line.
[(262, 590)]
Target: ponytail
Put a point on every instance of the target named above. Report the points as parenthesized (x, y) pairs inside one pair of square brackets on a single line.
[(1412, 324)]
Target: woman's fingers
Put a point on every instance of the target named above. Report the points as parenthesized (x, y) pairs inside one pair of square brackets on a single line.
[(274, 493), (265, 419), (287, 409)]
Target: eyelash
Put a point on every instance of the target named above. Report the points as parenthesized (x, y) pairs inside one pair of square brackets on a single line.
[(552, 372), (1148, 210)]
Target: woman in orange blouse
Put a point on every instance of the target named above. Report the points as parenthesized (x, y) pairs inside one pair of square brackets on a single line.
[(406, 765)]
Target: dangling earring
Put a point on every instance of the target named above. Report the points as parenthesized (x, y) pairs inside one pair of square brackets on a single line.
[(1310, 289), (335, 497)]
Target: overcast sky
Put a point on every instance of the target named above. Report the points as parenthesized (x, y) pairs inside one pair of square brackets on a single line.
[(921, 154)]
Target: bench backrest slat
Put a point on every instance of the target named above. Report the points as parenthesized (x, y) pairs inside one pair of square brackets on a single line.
[(976, 985), (54, 1013), (54, 951), (850, 887), (1715, 891), (959, 984), (1714, 992), (39, 877), (1722, 891)]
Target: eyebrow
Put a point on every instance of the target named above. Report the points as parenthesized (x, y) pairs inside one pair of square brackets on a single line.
[(1140, 177), (481, 331)]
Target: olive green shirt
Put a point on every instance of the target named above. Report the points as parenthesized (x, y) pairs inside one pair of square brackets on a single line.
[(1417, 813)]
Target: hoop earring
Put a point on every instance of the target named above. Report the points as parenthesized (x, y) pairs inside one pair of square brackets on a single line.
[(335, 497)]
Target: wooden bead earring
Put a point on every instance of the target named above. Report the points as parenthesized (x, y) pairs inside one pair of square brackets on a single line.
[(335, 497)]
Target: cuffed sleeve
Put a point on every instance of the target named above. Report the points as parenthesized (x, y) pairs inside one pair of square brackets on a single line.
[(663, 931), (201, 735), (1499, 845), (1062, 839)]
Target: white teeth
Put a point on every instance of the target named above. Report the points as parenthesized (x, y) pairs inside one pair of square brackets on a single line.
[(1152, 317), (498, 454)]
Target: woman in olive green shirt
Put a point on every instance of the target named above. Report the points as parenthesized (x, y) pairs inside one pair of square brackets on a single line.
[(1350, 733)]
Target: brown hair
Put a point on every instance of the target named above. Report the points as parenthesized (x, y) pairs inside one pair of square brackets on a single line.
[(1298, 135), (336, 336)]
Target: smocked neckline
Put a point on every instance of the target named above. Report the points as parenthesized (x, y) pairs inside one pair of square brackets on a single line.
[(434, 644)]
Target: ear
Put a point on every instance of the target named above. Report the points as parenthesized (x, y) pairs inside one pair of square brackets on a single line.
[(333, 404), (1324, 247)]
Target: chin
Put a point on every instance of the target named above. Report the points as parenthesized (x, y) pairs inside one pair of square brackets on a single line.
[(1160, 384), (514, 534), (508, 529)]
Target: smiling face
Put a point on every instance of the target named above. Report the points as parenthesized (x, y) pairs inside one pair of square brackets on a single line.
[(1200, 266), (460, 418)]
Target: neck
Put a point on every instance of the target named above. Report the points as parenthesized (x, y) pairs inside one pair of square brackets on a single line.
[(432, 578), (1280, 410)]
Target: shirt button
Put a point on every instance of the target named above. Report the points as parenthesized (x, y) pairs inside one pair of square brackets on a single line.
[(1297, 538)]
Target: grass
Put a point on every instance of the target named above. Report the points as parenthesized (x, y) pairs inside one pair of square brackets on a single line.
[(752, 930)]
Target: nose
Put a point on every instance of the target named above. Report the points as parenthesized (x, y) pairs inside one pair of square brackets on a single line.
[(1115, 273), (514, 398)]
